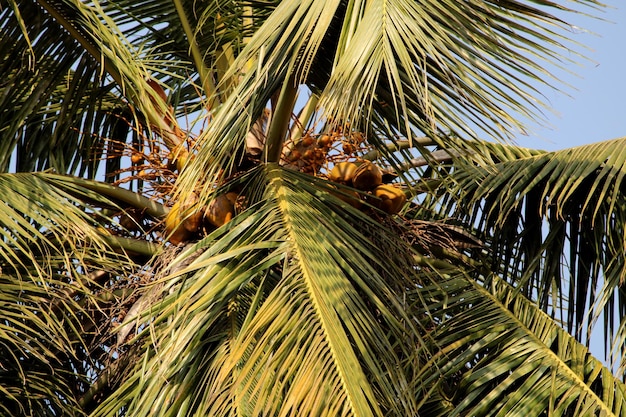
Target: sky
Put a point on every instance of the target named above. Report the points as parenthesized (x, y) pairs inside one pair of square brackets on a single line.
[(595, 108)]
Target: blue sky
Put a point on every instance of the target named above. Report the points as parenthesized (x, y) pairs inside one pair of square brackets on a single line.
[(596, 109)]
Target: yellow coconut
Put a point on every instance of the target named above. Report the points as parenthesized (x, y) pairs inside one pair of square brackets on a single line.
[(367, 176), (342, 172), (192, 215), (174, 228), (221, 210), (177, 158), (392, 199), (181, 159)]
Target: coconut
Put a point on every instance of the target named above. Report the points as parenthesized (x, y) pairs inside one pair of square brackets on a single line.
[(176, 232), (343, 172), (391, 199), (221, 210), (367, 176)]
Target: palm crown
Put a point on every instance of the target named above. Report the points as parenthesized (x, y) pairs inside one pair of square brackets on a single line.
[(282, 208)]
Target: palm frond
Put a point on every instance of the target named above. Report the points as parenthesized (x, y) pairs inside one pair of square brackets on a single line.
[(301, 304), (65, 97), (498, 354), (292, 307), (554, 222), (389, 72), (415, 60), (43, 102), (62, 274), (34, 345)]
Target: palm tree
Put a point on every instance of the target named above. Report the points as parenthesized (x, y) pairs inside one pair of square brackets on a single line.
[(282, 208)]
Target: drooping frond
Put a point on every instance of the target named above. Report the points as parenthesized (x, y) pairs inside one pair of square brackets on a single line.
[(60, 274), (35, 346), (414, 58), (499, 354), (40, 217), (50, 94), (88, 78), (554, 221)]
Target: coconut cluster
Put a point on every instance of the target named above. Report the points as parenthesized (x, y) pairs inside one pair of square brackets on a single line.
[(364, 181), (366, 176), (309, 154), (188, 218)]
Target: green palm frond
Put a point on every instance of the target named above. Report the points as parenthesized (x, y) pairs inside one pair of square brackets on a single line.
[(561, 176), (414, 59), (554, 223), (389, 71), (61, 274), (34, 346), (58, 100), (85, 94), (49, 97), (38, 217), (88, 95), (301, 304), (290, 308), (499, 354)]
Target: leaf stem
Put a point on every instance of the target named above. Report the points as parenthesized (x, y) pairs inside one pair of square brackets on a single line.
[(281, 117), (304, 117), (205, 77), (134, 199)]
